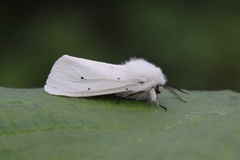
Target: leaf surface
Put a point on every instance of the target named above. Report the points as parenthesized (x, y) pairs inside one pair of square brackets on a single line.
[(36, 125)]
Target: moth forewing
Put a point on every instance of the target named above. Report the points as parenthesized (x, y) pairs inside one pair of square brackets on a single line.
[(78, 77)]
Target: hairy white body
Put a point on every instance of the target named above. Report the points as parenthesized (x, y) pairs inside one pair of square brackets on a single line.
[(78, 77)]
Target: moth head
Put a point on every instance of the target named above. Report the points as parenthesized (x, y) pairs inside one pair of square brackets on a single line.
[(159, 88)]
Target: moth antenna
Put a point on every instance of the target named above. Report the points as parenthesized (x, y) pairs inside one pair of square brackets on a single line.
[(170, 88), (174, 87)]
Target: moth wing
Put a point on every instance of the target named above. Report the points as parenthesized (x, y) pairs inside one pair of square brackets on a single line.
[(77, 77)]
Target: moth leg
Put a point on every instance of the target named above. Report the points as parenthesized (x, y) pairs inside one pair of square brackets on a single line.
[(120, 99), (153, 97), (159, 104), (124, 97)]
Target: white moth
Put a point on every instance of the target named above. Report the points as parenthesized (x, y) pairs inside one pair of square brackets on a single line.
[(135, 79)]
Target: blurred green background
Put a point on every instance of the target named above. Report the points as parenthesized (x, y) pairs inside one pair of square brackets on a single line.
[(196, 43)]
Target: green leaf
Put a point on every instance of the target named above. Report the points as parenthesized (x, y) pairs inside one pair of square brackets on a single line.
[(39, 126)]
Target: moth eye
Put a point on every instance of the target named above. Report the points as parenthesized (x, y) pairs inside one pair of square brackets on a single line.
[(159, 88)]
